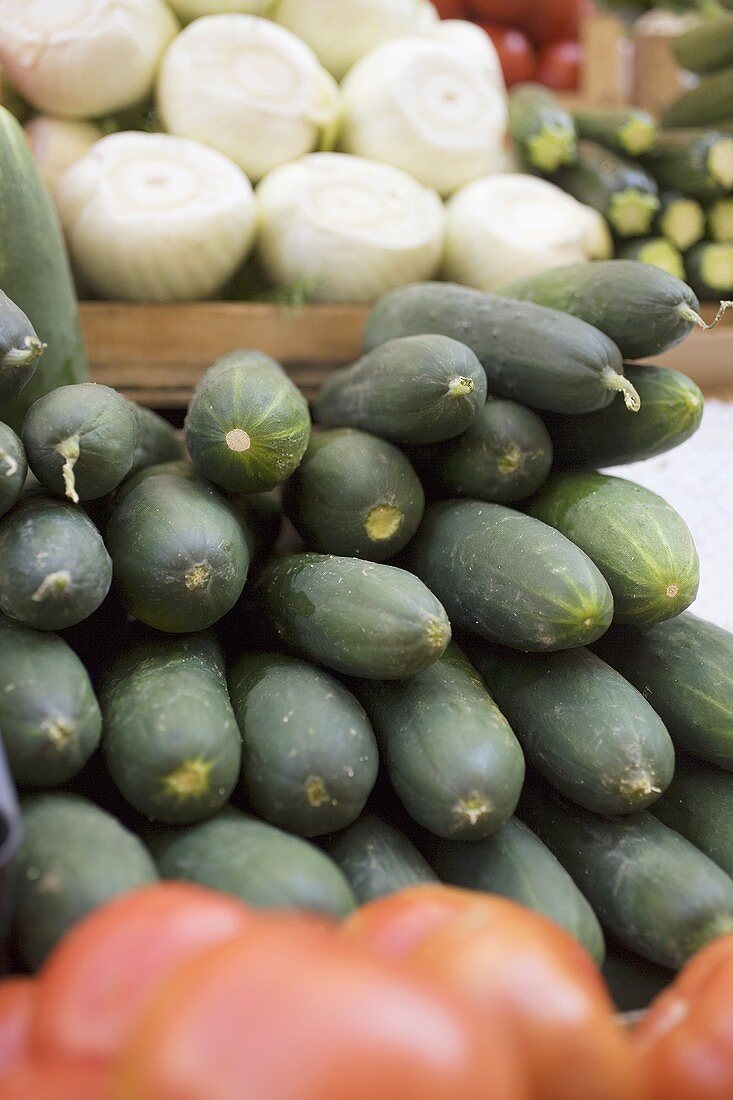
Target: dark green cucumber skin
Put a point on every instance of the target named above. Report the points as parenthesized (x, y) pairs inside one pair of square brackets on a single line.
[(657, 893), (671, 411), (359, 618), (263, 514), (164, 528), (41, 537), (532, 110), (635, 305), (633, 982), (504, 456), (698, 804), (377, 860), (250, 392), (13, 468), (599, 174), (49, 717), (254, 861), (694, 265), (684, 668), (450, 753), (479, 560), (582, 725), (705, 106), (73, 857), (516, 864), (680, 160), (16, 335), (401, 389), (34, 271), (642, 546), (537, 356), (345, 474), (309, 754), (165, 706), (605, 125), (706, 48), (157, 441)]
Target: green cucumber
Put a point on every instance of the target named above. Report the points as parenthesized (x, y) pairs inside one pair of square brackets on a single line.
[(720, 221), (509, 578), (448, 750), (542, 131), (20, 349), (247, 425), (621, 190), (710, 270), (377, 860), (671, 411), (643, 310), (633, 982), (73, 857), (359, 618), (263, 514), (657, 252), (414, 389), (585, 728), (55, 568), (171, 742), (49, 717), (642, 546), (710, 103), (698, 804), (516, 864), (180, 552), (698, 162), (157, 441), (309, 756), (13, 468), (354, 494), (705, 48), (657, 893), (256, 862), (34, 272), (626, 130), (681, 219)]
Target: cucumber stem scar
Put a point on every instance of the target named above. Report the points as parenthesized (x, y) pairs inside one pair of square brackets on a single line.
[(69, 451), (460, 387), (198, 576), (53, 583), (238, 440), (316, 792), (382, 522)]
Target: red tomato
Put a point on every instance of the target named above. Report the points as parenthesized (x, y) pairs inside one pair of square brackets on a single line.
[(512, 12), (516, 53), (559, 66), (554, 20), (308, 1017), (17, 998), (55, 1081), (451, 9)]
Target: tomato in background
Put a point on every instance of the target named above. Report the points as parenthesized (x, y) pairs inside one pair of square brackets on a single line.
[(514, 13), (55, 1081), (554, 20), (17, 998), (451, 9), (516, 53), (559, 66)]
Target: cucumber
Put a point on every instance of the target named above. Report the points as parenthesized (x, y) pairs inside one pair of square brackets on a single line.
[(310, 758), (157, 441), (73, 857), (681, 219), (449, 752), (377, 860), (180, 552), (642, 546), (710, 270), (657, 252), (13, 468), (504, 456), (354, 494), (657, 893), (536, 356), (705, 48), (508, 578), (699, 805), (720, 221), (20, 349), (34, 272), (359, 618), (414, 389), (263, 514), (585, 728), (543, 132), (171, 742), (516, 864), (700, 163), (55, 568), (256, 862), (621, 190), (633, 982), (708, 104), (626, 130), (671, 411), (247, 425), (643, 310), (49, 717)]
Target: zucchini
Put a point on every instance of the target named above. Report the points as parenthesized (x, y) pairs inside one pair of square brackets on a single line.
[(157, 441), (708, 104), (449, 752), (247, 425), (354, 494), (706, 48), (626, 130), (414, 389), (642, 546), (671, 411), (657, 893), (34, 272), (55, 568), (73, 857), (633, 982), (179, 550), (171, 742), (514, 863), (49, 717), (542, 131), (585, 728), (256, 862), (643, 310), (309, 755), (539, 357), (20, 349), (359, 618), (699, 805), (681, 219), (80, 440), (377, 860), (621, 190), (710, 270), (657, 252), (700, 163), (13, 468), (720, 221), (506, 577)]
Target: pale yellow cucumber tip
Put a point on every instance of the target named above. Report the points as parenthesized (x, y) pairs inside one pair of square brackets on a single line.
[(238, 440), (198, 576), (316, 792), (191, 780), (460, 387), (382, 522)]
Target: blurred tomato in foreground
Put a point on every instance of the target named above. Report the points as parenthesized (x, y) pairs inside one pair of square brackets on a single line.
[(451, 9), (517, 55), (559, 66), (55, 1081), (17, 997), (513, 12), (395, 925), (554, 20)]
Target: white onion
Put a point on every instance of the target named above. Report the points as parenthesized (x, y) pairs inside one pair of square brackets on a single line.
[(152, 217), (507, 227), (194, 9), (57, 143), (248, 88), (347, 229), (83, 58), (473, 41)]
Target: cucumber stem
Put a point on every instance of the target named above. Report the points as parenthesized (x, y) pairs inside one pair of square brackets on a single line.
[(460, 387), (612, 380), (382, 522), (54, 582), (689, 314), (32, 349), (9, 461), (69, 451)]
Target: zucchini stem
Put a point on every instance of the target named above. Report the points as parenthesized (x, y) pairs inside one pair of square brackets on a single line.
[(32, 349), (9, 461), (614, 381), (69, 451), (689, 314)]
